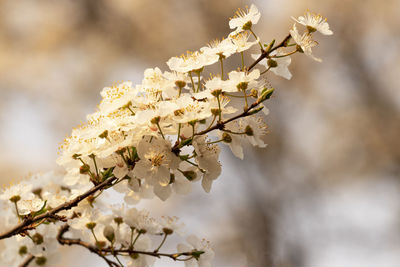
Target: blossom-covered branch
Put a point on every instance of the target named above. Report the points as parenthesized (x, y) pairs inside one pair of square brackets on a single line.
[(155, 138)]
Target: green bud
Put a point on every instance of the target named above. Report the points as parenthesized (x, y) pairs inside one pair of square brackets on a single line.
[(90, 225), (203, 121), (265, 94), (272, 63), (269, 46), (254, 93), (37, 239), (255, 110), (248, 131), (196, 254), (40, 260), (226, 138)]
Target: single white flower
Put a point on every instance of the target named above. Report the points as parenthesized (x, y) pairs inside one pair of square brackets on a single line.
[(156, 161), (116, 96), (222, 49), (314, 22), (244, 20), (255, 128), (241, 42), (305, 41), (196, 244), (26, 206)]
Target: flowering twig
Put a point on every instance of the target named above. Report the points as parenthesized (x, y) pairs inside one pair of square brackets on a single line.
[(102, 252), (27, 223)]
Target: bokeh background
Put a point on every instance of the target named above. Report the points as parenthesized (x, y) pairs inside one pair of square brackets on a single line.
[(326, 191)]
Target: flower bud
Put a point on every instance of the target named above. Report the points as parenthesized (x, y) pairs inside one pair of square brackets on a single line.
[(90, 225), (272, 63), (265, 94), (248, 131), (203, 121), (226, 138), (108, 233), (40, 260)]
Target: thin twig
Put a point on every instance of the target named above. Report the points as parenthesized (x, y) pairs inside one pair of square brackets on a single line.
[(27, 261), (27, 223)]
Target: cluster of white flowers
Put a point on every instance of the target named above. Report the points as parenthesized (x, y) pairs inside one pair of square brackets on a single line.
[(151, 139)]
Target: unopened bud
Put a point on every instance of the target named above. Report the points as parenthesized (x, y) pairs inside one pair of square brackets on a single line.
[(226, 138), (155, 120), (40, 260), (265, 94), (37, 239), (248, 131), (108, 233), (272, 63), (90, 225)]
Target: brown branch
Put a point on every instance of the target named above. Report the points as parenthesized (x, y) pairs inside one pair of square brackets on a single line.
[(102, 252), (265, 54), (27, 261), (27, 223)]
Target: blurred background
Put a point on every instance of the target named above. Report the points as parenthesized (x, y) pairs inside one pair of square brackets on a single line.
[(325, 192)]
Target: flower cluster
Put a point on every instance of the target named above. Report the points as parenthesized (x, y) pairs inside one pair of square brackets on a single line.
[(151, 139)]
